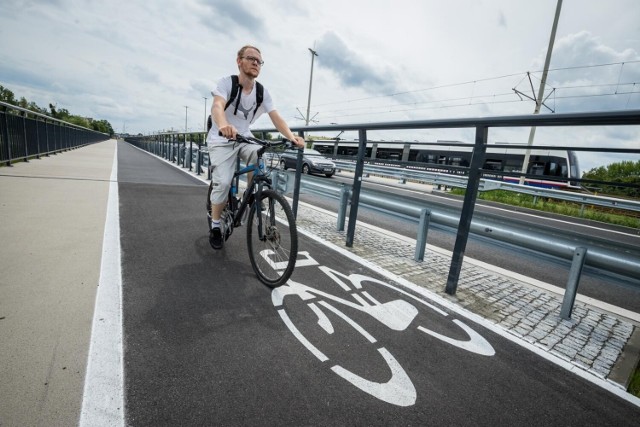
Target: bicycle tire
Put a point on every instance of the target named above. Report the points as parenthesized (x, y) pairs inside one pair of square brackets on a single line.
[(274, 258), (208, 205)]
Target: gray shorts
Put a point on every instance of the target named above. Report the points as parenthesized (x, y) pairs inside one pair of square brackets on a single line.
[(223, 163)]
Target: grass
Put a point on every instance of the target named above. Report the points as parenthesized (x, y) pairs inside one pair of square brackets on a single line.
[(569, 209), (634, 385), (556, 206)]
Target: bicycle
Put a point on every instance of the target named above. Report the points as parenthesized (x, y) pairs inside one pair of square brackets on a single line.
[(272, 237)]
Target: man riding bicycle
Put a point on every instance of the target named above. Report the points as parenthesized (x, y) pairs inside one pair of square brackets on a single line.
[(232, 114)]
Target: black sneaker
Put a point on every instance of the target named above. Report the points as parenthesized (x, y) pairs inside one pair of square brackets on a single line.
[(215, 238)]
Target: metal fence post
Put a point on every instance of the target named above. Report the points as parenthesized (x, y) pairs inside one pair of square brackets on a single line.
[(46, 132), (296, 185), (357, 184), (280, 181), (477, 160), (423, 229), (7, 136), (55, 137), (276, 182), (24, 132), (342, 209), (199, 164), (579, 256), (35, 120)]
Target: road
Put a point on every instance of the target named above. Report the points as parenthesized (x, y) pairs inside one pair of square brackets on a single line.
[(604, 286), (206, 344)]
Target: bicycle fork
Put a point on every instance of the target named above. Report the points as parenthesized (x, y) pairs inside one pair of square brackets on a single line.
[(258, 205)]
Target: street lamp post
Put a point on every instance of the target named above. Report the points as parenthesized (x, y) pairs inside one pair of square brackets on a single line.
[(205, 113), (185, 118), (313, 56)]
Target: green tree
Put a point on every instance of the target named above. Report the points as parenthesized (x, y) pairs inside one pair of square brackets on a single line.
[(34, 107), (23, 103), (80, 121), (626, 172), (7, 96), (102, 126)]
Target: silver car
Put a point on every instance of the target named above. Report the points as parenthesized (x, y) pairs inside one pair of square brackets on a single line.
[(312, 162)]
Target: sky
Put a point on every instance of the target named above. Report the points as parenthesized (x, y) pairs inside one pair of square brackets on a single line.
[(147, 66)]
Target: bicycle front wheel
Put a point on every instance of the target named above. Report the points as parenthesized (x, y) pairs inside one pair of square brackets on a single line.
[(273, 241)]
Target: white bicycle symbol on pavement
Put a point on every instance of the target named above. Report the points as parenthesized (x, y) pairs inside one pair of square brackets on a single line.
[(397, 315)]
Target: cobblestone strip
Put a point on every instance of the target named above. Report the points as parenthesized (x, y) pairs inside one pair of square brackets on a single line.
[(591, 340)]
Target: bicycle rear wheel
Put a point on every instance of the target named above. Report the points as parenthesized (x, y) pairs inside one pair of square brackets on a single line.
[(273, 257)]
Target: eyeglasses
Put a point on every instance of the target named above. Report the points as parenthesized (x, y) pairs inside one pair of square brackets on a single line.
[(254, 59)]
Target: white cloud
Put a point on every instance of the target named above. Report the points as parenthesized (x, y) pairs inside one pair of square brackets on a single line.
[(139, 63)]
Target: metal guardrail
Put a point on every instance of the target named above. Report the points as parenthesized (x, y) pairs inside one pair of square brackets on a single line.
[(473, 171), (481, 126), (25, 134), (621, 259), (460, 181)]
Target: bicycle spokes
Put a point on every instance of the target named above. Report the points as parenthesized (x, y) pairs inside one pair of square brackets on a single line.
[(272, 238)]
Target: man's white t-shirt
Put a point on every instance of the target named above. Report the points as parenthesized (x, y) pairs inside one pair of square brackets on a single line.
[(244, 117)]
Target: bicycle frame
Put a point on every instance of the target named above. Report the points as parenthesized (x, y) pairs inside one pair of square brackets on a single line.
[(235, 209), (259, 179), (272, 248)]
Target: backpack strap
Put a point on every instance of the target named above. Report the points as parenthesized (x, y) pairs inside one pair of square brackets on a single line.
[(235, 86), (259, 96), (236, 92)]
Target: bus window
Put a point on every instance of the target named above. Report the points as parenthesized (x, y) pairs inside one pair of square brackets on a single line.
[(513, 164), (536, 168), (493, 165)]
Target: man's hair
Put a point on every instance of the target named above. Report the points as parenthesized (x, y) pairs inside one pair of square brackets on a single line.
[(244, 48)]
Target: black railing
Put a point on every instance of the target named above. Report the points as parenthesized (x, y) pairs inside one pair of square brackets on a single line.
[(167, 144), (25, 134)]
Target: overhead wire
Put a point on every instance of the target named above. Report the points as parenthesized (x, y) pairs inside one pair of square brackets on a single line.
[(351, 110)]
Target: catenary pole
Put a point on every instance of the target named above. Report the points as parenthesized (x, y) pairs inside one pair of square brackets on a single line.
[(543, 83), (313, 55)]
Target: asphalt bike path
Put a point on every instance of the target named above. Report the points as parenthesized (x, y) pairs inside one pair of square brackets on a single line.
[(205, 343)]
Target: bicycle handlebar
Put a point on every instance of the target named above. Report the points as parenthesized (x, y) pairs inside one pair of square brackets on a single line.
[(267, 144)]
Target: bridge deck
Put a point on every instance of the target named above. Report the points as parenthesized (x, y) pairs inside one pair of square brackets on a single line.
[(174, 313)]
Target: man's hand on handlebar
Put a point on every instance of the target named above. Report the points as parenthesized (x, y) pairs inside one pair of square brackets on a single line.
[(228, 132), (299, 141)]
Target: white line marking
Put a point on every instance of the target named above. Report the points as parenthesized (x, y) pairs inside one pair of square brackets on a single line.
[(312, 348), (399, 390), (323, 320), (459, 202), (605, 384), (524, 280), (103, 398), (561, 221), (350, 321), (476, 344)]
